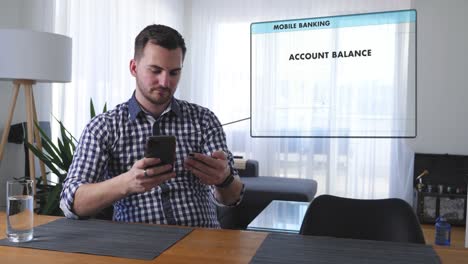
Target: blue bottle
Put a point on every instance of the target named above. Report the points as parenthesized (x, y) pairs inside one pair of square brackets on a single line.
[(442, 232)]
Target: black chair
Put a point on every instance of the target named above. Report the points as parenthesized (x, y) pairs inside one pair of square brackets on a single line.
[(386, 219)]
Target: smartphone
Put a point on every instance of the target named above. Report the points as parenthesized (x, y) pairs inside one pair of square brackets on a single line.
[(162, 147)]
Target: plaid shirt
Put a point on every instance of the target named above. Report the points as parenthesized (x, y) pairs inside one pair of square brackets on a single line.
[(113, 141)]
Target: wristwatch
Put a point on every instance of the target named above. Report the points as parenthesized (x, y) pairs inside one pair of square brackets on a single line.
[(229, 179)]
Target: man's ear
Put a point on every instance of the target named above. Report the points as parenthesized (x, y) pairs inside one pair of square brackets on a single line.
[(133, 66)]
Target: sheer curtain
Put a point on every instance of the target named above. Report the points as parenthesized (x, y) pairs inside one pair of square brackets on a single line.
[(216, 74), (103, 34)]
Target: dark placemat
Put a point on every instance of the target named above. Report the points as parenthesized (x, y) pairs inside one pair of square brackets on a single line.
[(285, 248), (107, 238)]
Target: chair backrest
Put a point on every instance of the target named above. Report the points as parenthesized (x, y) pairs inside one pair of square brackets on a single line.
[(385, 219)]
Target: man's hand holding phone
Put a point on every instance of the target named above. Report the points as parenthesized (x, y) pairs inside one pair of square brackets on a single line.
[(146, 174), (157, 166)]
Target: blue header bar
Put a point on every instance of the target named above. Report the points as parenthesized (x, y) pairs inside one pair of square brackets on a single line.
[(392, 17)]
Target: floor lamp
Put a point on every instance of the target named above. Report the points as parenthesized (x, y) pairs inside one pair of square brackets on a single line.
[(28, 57)]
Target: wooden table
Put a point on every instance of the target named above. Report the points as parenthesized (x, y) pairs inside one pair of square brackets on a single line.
[(200, 246)]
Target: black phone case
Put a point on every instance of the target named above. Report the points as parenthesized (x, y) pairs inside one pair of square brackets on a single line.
[(162, 147)]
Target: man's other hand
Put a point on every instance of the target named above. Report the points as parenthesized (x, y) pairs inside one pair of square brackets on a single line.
[(210, 170)]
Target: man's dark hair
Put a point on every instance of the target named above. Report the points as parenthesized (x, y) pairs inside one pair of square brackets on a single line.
[(160, 35)]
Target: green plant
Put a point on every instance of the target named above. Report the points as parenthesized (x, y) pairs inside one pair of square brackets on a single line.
[(58, 158)]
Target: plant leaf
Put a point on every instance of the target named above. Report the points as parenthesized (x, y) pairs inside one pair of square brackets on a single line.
[(62, 177), (91, 108), (66, 151), (68, 132), (46, 140), (43, 157), (51, 154)]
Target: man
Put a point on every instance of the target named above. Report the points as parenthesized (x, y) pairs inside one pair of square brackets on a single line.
[(108, 167)]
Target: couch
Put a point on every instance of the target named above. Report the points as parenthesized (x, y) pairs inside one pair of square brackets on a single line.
[(260, 191)]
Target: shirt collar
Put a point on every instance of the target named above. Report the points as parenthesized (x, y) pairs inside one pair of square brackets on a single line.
[(134, 107)]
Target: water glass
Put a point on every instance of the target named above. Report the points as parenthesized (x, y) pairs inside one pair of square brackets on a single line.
[(20, 206)]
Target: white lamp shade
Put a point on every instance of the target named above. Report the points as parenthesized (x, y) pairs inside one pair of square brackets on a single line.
[(32, 55)]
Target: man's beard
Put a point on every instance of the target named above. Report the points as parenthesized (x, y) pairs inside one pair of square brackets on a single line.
[(161, 100)]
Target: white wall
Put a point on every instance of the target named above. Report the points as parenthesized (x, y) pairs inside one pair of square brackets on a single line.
[(30, 14), (442, 77)]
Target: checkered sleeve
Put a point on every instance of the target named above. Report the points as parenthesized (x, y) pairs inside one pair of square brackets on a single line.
[(215, 139), (88, 165)]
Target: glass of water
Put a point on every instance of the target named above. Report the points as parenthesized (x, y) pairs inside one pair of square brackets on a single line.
[(20, 206)]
